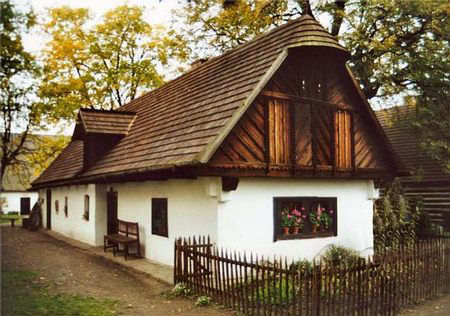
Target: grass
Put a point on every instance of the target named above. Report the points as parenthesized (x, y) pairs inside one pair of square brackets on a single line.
[(4, 218), (23, 294)]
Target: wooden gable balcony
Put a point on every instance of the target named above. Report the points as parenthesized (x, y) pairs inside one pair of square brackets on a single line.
[(307, 121)]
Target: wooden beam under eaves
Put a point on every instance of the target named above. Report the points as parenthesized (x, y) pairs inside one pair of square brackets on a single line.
[(305, 100)]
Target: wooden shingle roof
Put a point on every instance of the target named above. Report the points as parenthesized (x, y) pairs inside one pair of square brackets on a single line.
[(68, 165), (184, 121), (106, 122), (397, 125)]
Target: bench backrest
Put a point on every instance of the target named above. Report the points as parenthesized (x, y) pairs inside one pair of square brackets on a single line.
[(129, 229)]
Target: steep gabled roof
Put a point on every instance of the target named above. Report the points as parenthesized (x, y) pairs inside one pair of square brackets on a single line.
[(397, 124), (184, 121)]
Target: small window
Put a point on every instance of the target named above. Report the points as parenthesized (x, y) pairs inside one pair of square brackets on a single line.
[(56, 206), (86, 207), (159, 217), (304, 217), (66, 206)]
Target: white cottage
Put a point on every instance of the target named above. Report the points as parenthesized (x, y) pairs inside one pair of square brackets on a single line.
[(274, 125)]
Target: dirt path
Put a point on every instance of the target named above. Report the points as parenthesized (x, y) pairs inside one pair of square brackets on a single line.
[(74, 271), (438, 307)]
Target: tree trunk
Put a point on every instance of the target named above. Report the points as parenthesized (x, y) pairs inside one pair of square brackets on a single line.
[(338, 16)]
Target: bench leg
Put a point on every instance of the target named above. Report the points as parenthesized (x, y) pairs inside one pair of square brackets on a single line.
[(125, 246), (139, 250), (104, 244)]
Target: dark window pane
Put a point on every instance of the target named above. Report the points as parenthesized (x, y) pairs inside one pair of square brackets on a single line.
[(159, 217)]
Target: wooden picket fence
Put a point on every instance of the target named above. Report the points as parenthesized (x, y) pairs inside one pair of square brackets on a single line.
[(254, 285)]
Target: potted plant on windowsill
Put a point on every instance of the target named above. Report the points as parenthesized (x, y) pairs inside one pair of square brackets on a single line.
[(314, 219), (299, 218), (325, 219), (287, 221)]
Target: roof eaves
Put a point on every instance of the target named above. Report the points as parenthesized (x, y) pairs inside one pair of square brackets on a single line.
[(338, 47), (204, 156), (111, 176)]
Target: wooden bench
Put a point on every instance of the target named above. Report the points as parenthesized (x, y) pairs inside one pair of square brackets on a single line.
[(128, 234)]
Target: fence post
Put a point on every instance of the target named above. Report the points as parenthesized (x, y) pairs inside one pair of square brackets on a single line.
[(318, 279), (175, 260)]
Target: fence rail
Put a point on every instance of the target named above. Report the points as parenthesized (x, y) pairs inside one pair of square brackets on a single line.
[(381, 285)]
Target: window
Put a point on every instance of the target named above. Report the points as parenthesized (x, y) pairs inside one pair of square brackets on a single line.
[(314, 216), (56, 206), (159, 217), (86, 207), (66, 206)]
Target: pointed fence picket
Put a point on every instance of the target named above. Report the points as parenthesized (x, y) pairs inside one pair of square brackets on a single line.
[(380, 285)]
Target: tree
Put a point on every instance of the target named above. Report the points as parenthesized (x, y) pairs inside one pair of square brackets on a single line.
[(18, 70), (36, 156), (397, 47), (217, 26), (45, 149), (104, 65)]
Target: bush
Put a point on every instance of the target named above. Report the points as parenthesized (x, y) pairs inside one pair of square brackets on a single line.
[(203, 301), (302, 265), (339, 256), (398, 219), (13, 213), (181, 289)]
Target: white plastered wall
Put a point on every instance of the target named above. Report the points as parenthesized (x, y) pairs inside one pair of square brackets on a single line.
[(191, 211), (74, 225), (245, 221), (239, 220), (100, 213), (13, 200)]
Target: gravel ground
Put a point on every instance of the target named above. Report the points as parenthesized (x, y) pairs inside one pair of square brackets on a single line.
[(438, 307)]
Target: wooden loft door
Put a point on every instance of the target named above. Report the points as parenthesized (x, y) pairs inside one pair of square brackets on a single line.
[(343, 126), (279, 121)]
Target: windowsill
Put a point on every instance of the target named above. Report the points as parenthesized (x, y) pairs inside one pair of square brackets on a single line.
[(159, 235), (306, 235)]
